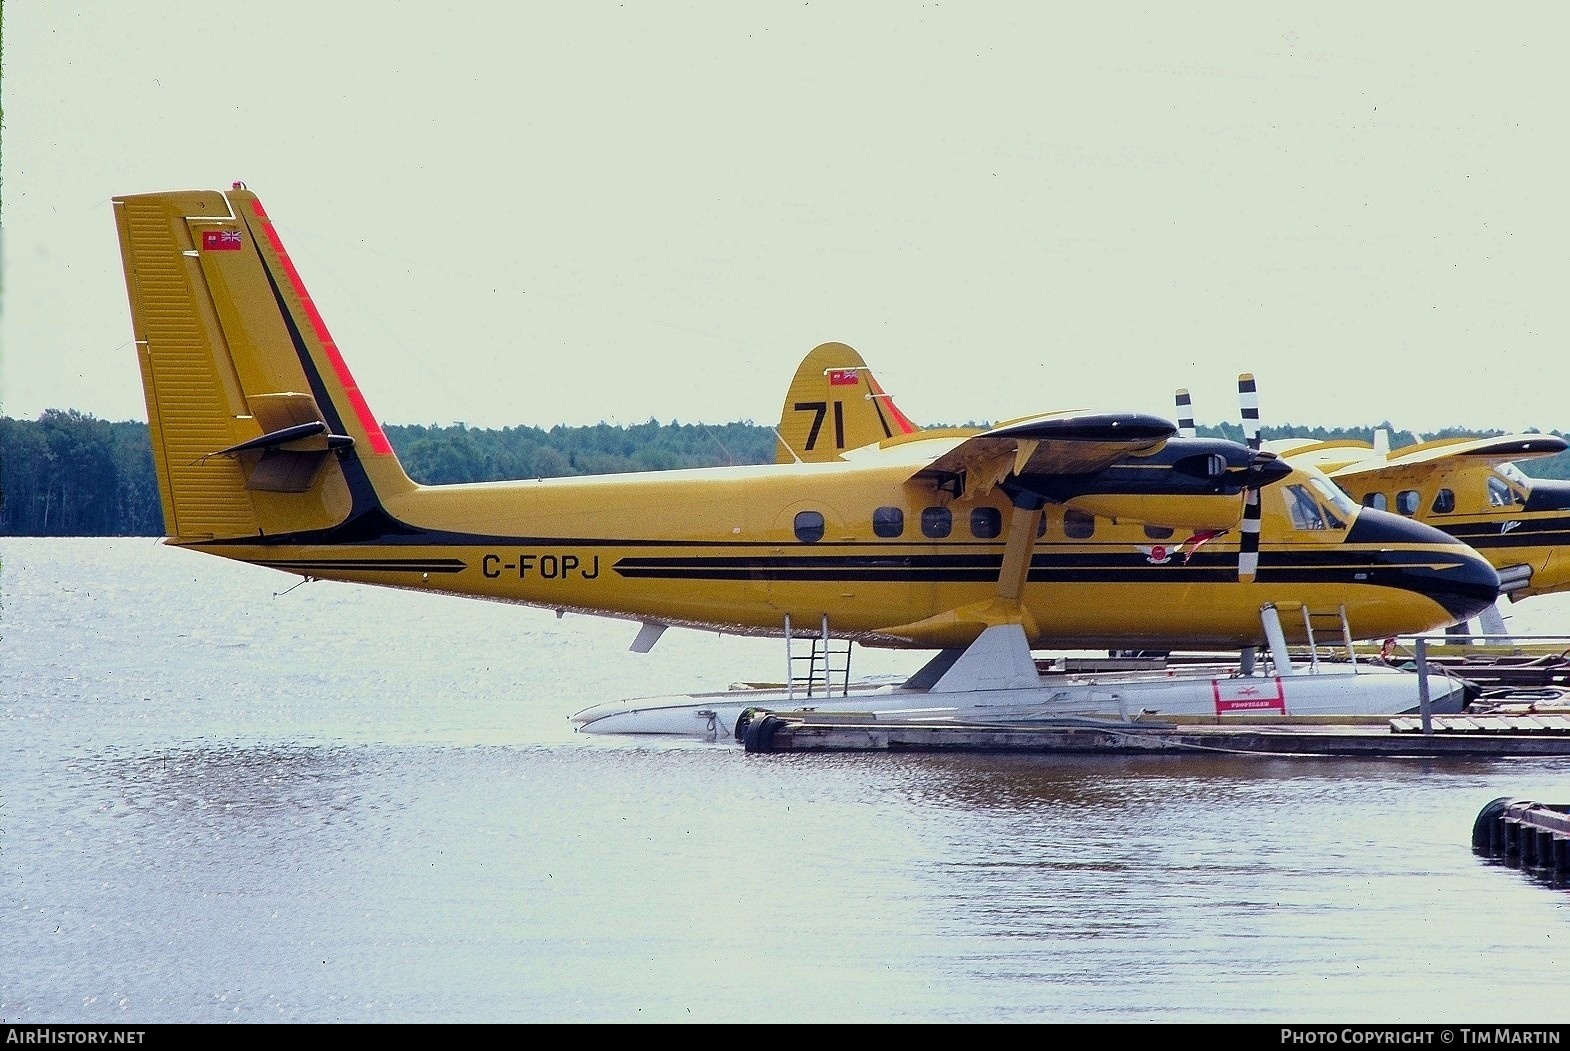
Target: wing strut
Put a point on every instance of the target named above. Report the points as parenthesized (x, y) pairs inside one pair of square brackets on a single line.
[(1000, 657), (1023, 527)]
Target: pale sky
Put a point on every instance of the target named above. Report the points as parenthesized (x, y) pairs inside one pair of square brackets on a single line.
[(539, 213)]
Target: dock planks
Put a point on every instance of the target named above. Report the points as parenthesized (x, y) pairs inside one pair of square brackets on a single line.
[(1494, 737)]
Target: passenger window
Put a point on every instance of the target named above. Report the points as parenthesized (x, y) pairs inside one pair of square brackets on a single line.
[(1041, 525), (1444, 502), (1377, 501), (936, 522), (1155, 532), (888, 521), (1406, 502), (809, 527), (1077, 525), (985, 522)]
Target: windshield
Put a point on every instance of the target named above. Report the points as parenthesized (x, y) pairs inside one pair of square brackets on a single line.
[(1307, 512), (1334, 496), (1500, 490)]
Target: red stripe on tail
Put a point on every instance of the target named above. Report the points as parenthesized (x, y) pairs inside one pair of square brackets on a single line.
[(362, 411)]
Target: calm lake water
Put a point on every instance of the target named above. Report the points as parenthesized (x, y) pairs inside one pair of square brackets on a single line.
[(221, 802)]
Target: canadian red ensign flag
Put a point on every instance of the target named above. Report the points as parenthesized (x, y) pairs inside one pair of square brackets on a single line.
[(220, 240), (842, 377)]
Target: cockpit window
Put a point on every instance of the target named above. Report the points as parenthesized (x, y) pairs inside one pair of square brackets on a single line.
[(1515, 474), (1444, 502), (1307, 512), (1337, 498), (1500, 492)]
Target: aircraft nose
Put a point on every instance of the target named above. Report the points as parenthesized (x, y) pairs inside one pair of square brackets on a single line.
[(1269, 469), (1420, 558)]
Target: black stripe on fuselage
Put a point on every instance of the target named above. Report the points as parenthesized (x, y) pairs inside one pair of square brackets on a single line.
[(1318, 567), (1527, 532), (308, 566)]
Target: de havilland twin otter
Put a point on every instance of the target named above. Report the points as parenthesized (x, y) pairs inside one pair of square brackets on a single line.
[(1066, 530)]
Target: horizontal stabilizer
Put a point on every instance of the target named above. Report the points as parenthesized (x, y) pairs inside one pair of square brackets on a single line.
[(296, 442), (274, 439)]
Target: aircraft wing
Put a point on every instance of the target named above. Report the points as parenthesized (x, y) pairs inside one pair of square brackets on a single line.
[(1505, 448), (1328, 456), (1068, 442)]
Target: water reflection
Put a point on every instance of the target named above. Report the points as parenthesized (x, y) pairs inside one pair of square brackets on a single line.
[(227, 789)]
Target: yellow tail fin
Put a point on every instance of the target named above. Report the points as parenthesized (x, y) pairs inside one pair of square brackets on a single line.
[(256, 424), (834, 403)]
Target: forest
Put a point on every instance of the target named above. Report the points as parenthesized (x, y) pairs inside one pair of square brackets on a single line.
[(70, 474)]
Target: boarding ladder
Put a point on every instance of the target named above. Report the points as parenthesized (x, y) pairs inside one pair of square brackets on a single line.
[(823, 669), (1326, 620)]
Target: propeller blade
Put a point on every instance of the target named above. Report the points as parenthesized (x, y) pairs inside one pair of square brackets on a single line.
[(1248, 536), (1185, 415), (1248, 539), (1248, 397)]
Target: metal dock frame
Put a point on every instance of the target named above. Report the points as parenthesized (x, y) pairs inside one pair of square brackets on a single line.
[(1534, 837)]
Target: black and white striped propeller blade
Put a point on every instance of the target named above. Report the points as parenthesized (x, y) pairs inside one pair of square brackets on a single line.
[(1185, 415), (1248, 539)]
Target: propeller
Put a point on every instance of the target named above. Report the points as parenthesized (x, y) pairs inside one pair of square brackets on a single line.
[(1263, 469)]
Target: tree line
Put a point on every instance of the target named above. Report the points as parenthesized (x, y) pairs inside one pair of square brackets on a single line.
[(71, 474)]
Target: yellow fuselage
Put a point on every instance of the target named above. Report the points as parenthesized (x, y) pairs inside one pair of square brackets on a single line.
[(718, 549)]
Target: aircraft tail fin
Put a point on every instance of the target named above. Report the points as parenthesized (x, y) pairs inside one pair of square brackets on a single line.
[(835, 403), (256, 424)]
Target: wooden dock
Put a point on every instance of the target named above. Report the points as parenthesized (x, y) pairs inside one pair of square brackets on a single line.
[(1405, 736)]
